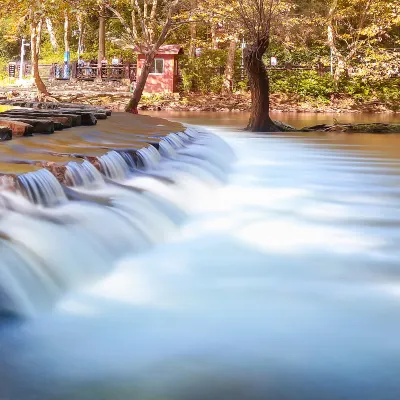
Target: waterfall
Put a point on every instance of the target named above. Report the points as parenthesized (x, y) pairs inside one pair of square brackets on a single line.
[(148, 157), (166, 149), (129, 159), (114, 165), (84, 174), (52, 245), (42, 187)]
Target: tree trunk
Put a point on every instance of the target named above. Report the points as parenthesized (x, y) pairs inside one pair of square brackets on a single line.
[(66, 32), (79, 18), (260, 120), (39, 37), (193, 36), (341, 64), (102, 40), (340, 68), (193, 33), (214, 43), (41, 87), (140, 84), (50, 30), (230, 67)]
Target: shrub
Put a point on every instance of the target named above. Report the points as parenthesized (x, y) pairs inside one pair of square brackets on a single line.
[(302, 83)]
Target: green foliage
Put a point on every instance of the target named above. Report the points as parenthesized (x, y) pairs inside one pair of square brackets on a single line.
[(310, 86), (303, 83), (205, 73), (9, 45), (298, 55), (363, 89)]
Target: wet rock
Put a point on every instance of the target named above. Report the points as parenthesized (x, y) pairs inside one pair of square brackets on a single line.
[(5, 133), (354, 128), (9, 183), (284, 127), (94, 161), (58, 170)]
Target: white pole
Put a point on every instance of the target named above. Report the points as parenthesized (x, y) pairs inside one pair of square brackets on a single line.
[(331, 63), (21, 66), (79, 44)]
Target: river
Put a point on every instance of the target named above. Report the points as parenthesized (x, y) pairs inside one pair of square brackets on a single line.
[(283, 283)]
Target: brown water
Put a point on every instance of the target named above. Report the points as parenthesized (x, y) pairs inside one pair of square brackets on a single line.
[(386, 146), (298, 120), (117, 132)]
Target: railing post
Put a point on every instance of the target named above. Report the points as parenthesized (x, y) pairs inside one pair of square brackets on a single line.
[(74, 67)]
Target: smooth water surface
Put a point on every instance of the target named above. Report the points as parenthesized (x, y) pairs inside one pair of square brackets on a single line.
[(283, 283), (298, 120)]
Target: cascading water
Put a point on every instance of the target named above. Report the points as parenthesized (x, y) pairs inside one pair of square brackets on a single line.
[(84, 174), (42, 187), (114, 165), (70, 243)]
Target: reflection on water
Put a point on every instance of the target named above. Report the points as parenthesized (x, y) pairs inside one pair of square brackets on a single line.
[(298, 120), (282, 284)]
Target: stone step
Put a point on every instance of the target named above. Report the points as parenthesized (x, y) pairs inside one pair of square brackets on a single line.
[(73, 119), (39, 125), (55, 106), (60, 121), (18, 128)]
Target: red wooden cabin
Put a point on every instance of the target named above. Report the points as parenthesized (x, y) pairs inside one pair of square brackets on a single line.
[(164, 75)]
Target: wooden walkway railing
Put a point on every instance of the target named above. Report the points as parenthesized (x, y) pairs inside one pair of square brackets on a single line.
[(73, 71)]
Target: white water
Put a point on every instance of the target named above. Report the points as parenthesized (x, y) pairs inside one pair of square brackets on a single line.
[(282, 284)]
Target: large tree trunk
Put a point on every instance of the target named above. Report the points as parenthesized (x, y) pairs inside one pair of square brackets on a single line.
[(140, 84), (260, 120), (52, 35), (41, 87), (230, 67)]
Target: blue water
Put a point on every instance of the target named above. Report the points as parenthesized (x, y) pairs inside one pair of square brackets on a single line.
[(282, 284)]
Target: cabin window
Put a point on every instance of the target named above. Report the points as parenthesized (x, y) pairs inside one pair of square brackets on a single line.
[(158, 66)]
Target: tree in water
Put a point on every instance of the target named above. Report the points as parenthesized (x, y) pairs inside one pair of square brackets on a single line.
[(150, 24), (257, 18)]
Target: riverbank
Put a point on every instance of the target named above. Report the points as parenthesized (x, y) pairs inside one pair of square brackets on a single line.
[(115, 96)]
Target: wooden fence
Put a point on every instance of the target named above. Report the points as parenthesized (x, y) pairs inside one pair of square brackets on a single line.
[(73, 71)]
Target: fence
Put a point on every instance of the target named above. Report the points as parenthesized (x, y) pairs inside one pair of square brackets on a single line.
[(73, 71), (91, 72)]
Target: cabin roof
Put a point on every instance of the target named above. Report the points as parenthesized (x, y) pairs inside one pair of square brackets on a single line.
[(166, 49), (170, 49)]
